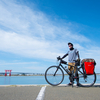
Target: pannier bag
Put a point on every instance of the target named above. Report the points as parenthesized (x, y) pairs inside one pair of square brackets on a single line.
[(89, 65)]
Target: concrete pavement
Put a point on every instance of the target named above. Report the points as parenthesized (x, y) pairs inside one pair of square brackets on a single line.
[(69, 93), (19, 93), (51, 93)]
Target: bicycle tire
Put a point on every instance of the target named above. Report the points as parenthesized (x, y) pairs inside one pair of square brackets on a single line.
[(90, 80), (54, 80)]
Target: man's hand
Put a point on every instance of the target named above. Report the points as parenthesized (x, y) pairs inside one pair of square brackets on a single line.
[(58, 58)]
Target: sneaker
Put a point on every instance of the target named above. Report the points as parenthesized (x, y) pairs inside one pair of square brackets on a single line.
[(77, 84), (69, 84)]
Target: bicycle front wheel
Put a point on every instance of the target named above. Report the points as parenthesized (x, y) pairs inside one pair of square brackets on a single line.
[(88, 80), (54, 75)]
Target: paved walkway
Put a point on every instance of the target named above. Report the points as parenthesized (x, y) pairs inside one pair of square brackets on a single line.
[(69, 93), (19, 93), (51, 93)]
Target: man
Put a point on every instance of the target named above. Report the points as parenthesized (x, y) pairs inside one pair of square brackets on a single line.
[(72, 56)]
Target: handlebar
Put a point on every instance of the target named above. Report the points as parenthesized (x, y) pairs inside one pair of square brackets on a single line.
[(75, 60), (64, 62), (59, 58), (61, 61)]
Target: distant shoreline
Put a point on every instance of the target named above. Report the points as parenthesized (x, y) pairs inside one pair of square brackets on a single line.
[(37, 75), (22, 75)]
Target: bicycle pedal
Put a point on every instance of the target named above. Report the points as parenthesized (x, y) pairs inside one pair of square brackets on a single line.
[(85, 81), (75, 77)]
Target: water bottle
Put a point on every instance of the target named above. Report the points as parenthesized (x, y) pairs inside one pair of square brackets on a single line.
[(66, 69)]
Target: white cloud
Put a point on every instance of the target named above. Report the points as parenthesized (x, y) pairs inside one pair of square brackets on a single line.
[(23, 20), (30, 33), (26, 46), (17, 63)]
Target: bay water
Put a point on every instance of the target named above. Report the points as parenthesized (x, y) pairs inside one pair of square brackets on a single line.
[(30, 80)]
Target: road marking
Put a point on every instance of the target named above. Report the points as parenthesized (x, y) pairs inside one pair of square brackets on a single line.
[(41, 93)]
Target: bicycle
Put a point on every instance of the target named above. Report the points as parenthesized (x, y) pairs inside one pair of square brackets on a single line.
[(54, 75)]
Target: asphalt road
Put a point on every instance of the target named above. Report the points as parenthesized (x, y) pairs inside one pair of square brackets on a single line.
[(19, 93), (51, 93), (69, 93)]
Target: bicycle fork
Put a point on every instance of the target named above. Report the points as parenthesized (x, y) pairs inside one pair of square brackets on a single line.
[(55, 71)]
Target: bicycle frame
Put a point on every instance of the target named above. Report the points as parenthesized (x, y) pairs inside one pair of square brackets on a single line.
[(77, 69), (64, 68)]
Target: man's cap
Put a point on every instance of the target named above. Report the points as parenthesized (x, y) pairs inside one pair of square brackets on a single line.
[(70, 43)]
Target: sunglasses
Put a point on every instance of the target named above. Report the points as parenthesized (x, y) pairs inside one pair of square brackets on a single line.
[(69, 45)]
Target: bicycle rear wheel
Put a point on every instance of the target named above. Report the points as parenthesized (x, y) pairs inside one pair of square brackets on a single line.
[(87, 81), (54, 75)]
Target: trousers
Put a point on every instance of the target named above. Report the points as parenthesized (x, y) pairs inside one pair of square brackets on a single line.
[(71, 68)]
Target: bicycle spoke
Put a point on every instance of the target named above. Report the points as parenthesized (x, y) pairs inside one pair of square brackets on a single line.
[(89, 80), (54, 76)]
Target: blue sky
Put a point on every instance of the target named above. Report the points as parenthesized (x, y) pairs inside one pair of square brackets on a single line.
[(34, 32)]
